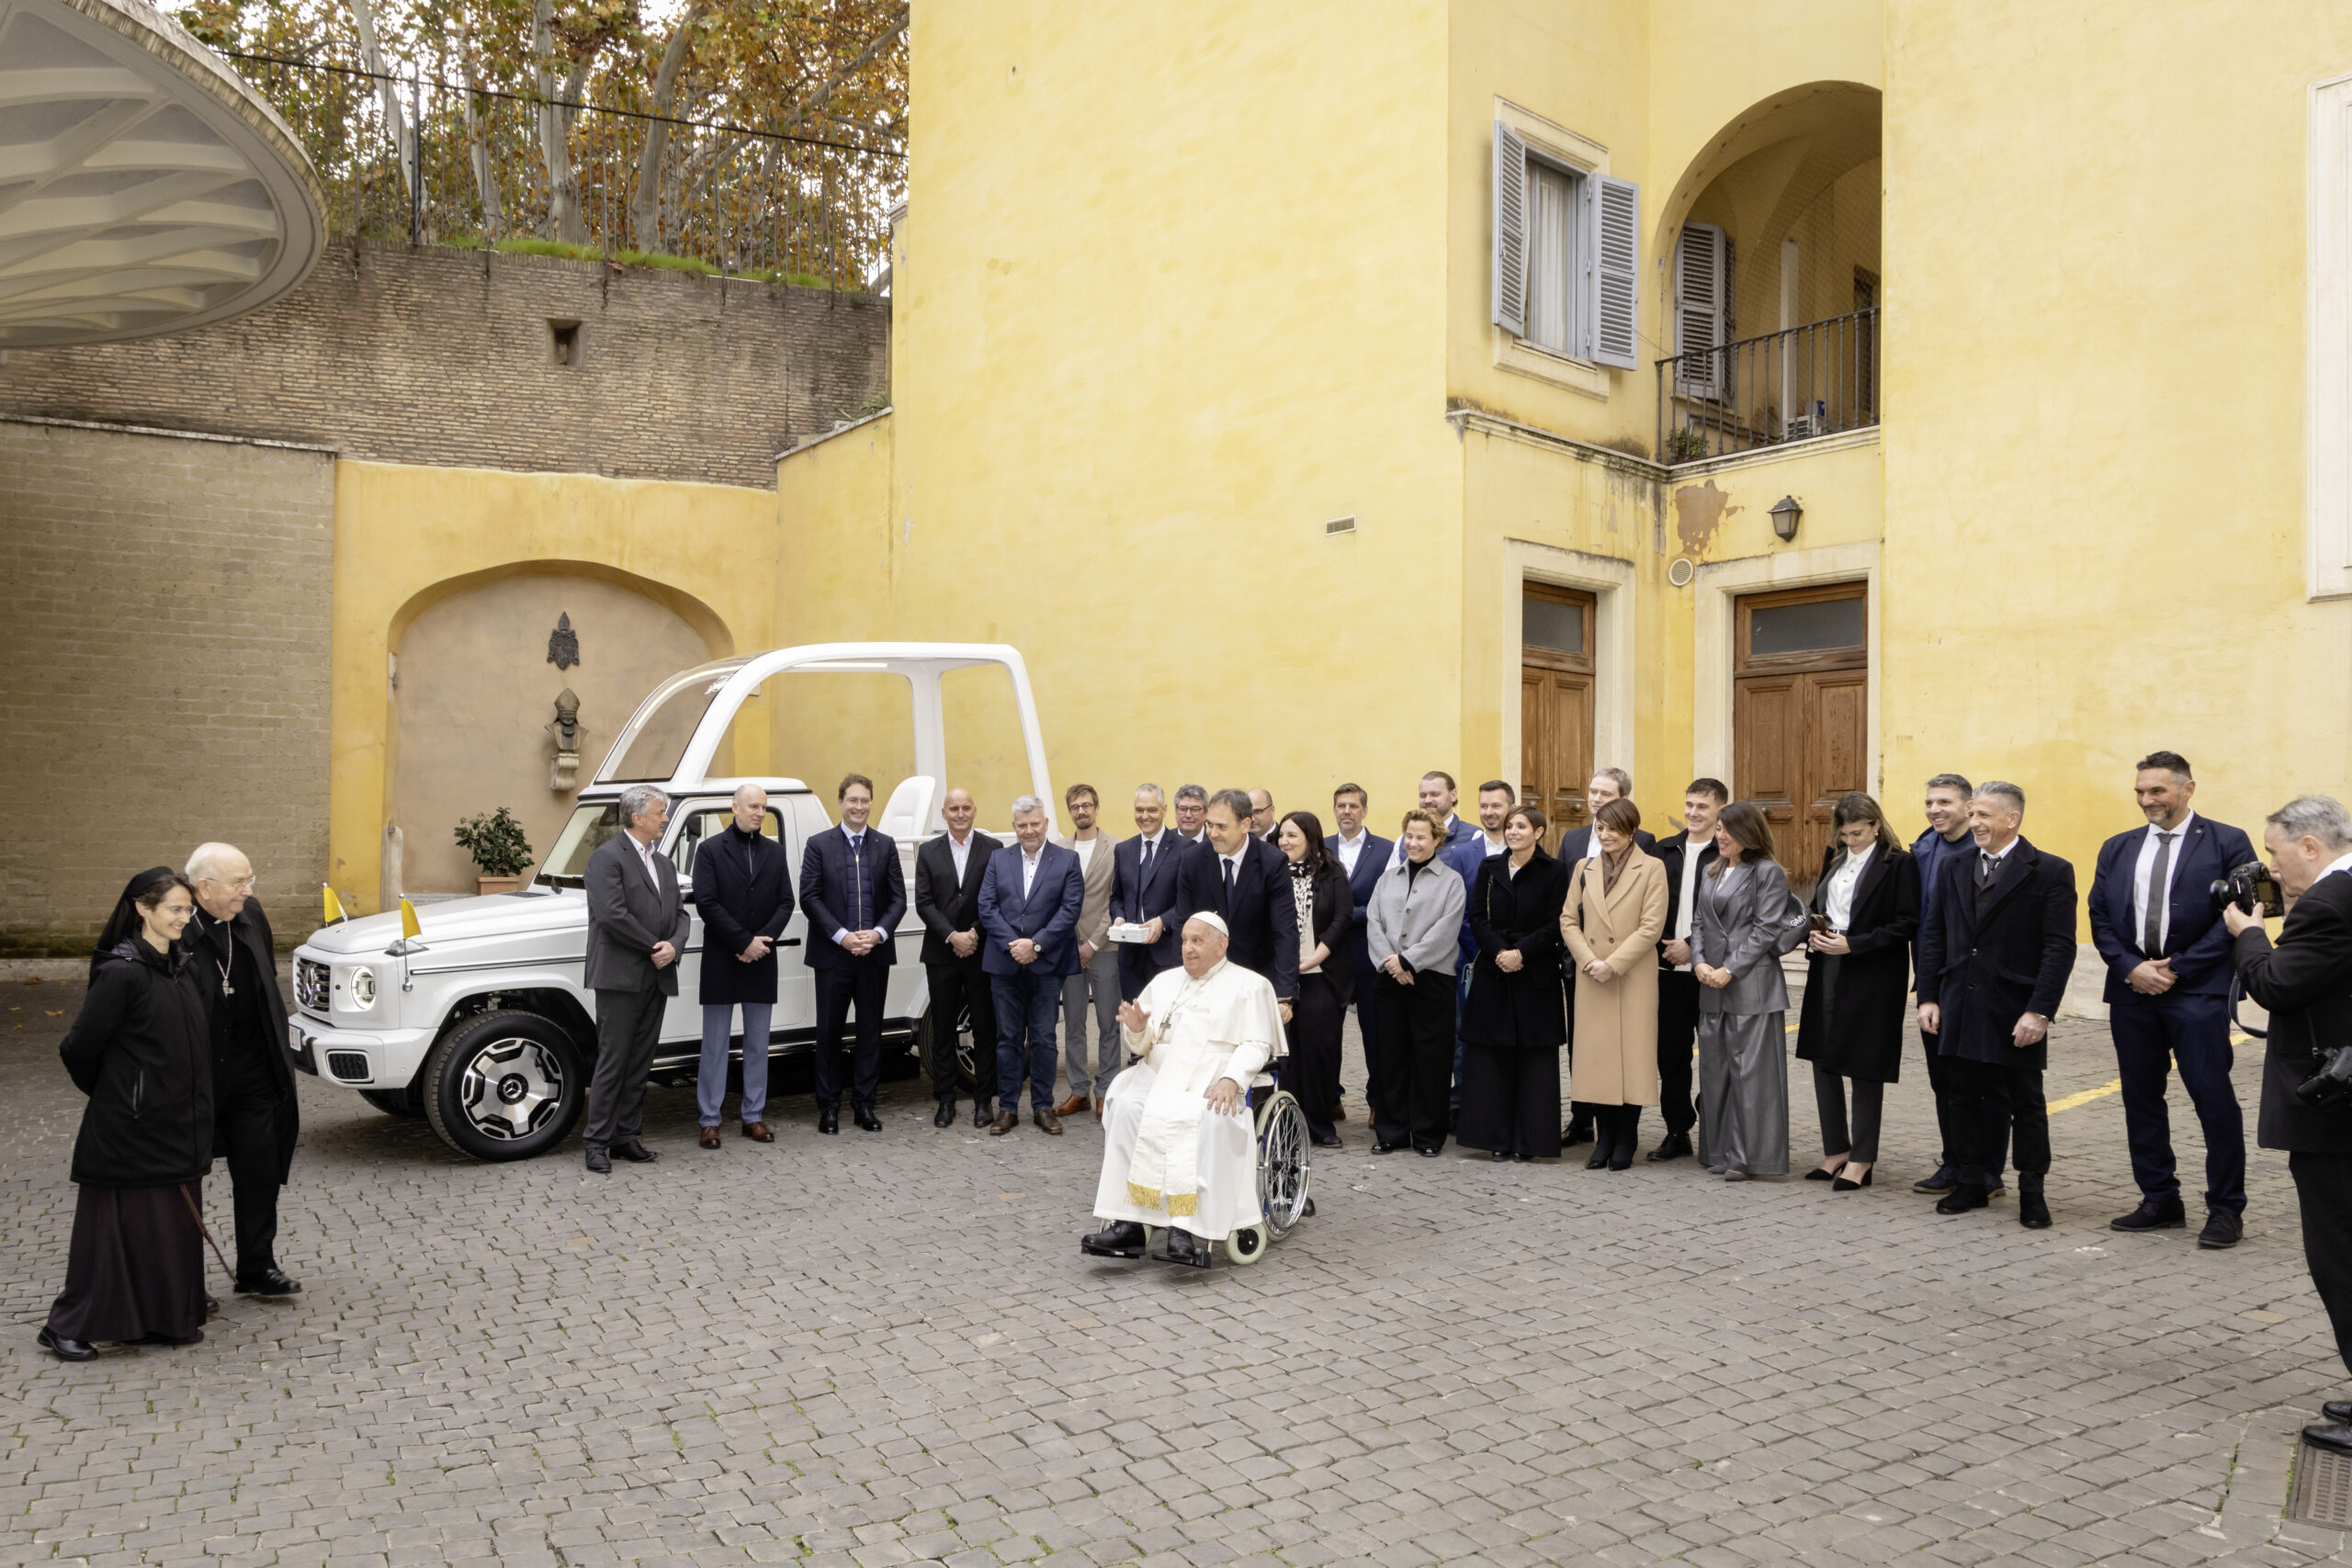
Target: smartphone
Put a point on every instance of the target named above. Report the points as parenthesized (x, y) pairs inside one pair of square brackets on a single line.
[(1818, 920)]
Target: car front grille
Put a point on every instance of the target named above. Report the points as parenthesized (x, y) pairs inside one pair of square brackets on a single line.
[(351, 1066), (310, 984)]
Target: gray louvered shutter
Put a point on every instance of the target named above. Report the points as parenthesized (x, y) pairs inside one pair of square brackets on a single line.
[(1616, 291), (1510, 230), (1701, 285)]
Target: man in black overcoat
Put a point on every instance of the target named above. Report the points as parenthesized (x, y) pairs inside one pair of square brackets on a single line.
[(2306, 983), (1996, 944), (948, 870), (743, 890), (255, 1119)]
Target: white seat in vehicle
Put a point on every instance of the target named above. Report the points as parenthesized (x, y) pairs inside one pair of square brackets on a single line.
[(907, 817)]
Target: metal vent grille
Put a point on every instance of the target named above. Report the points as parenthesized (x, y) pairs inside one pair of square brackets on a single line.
[(1340, 525), (2323, 1487), (351, 1066)]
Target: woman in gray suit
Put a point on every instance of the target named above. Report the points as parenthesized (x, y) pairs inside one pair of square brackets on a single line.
[(1747, 918)]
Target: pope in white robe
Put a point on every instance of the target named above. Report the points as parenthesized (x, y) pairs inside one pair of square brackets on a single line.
[(1179, 1147)]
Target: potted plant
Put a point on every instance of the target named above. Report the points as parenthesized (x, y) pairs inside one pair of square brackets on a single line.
[(500, 852)]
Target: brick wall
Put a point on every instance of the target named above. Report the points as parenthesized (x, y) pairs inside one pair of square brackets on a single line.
[(164, 669), (445, 357)]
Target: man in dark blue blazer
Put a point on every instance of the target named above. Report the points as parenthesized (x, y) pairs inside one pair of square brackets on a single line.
[(1246, 881), (1148, 882), (1030, 901), (1362, 855), (1991, 969), (2169, 994), (855, 893)]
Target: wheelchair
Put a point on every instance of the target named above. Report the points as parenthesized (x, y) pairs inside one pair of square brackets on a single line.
[(1284, 1180)]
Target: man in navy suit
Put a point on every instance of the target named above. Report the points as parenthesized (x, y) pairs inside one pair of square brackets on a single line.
[(1030, 900), (855, 894), (1686, 856), (1992, 964), (1246, 881), (1147, 883), (1360, 853), (2169, 994), (1439, 795)]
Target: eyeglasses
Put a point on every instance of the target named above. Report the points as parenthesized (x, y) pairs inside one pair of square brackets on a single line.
[(241, 885)]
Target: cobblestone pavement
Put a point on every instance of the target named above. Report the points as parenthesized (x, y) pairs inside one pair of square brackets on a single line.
[(885, 1349)]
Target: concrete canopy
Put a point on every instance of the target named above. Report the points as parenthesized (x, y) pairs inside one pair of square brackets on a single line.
[(144, 187)]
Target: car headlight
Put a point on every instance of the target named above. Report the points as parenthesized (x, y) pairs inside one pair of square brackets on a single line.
[(363, 989)]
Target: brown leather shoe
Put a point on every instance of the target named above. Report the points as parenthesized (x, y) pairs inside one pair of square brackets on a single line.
[(1098, 1111), (710, 1137), (1047, 1121), (1005, 1122), (1070, 1107), (758, 1132), (1338, 1111)]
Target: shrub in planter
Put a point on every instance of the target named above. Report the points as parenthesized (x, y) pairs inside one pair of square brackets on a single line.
[(499, 850)]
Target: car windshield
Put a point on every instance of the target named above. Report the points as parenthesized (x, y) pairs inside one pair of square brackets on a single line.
[(651, 748), (590, 826)]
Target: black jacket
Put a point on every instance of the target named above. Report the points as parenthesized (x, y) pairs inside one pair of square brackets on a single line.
[(1986, 973), (1860, 1035), (1521, 1009), (1331, 915), (945, 906), (250, 930), (2306, 982), (141, 1049), (1670, 852), (742, 889), (1263, 926)]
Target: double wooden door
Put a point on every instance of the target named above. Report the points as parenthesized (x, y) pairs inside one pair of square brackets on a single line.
[(1800, 715), (1555, 705)]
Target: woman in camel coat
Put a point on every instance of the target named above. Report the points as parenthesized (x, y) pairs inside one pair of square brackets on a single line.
[(1616, 908)]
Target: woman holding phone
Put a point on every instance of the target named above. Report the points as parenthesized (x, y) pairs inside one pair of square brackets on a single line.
[(1747, 918)]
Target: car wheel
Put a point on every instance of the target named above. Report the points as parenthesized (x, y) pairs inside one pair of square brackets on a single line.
[(966, 1080), (505, 1085), (393, 1102)]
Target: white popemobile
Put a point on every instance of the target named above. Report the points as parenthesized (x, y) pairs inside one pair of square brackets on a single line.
[(479, 1022)]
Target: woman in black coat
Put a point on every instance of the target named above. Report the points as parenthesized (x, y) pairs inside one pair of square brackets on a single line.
[(743, 892), (1866, 909), (1326, 909), (1513, 1023), (141, 1049)]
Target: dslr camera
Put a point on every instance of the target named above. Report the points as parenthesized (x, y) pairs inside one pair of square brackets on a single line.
[(2247, 886)]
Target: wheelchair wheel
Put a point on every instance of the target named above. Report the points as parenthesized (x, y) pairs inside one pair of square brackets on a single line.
[(1247, 1246), (1284, 1152)]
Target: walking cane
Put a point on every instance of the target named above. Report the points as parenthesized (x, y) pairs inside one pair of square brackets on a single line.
[(198, 1215)]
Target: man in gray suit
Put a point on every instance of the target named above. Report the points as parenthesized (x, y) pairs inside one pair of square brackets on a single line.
[(637, 927)]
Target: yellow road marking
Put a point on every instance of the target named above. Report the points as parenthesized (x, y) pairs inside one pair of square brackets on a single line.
[(2086, 1095)]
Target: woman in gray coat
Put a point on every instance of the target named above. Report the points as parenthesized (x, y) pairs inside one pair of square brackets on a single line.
[(1747, 918), (1413, 929)]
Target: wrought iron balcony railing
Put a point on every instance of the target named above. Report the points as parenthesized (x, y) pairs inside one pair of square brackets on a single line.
[(1817, 379)]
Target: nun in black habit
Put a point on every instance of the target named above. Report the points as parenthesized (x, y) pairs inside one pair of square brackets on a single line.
[(140, 1049)]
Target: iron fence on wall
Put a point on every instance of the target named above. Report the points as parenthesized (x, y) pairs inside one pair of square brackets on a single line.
[(472, 166), (1817, 379)]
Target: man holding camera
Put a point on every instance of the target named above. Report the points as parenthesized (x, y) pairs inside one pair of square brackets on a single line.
[(2306, 984), (2157, 925)]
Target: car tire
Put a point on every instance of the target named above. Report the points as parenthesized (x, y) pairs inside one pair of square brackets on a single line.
[(393, 1102), (966, 1080), (505, 1085)]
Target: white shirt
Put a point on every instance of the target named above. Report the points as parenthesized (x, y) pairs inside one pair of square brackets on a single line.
[(1687, 910), (1232, 872), (1837, 902), (2141, 871), (1029, 868), (2335, 865), (1200, 838), (645, 857), (1351, 849), (960, 851), (1592, 845), (856, 837), (1495, 845), (1085, 848)]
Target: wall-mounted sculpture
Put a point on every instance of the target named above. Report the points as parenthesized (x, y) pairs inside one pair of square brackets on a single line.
[(563, 643), (567, 730)]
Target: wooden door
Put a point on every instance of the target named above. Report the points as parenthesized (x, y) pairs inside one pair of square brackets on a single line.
[(1555, 704), (1800, 718)]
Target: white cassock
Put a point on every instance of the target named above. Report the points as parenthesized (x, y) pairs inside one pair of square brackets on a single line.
[(1168, 1159)]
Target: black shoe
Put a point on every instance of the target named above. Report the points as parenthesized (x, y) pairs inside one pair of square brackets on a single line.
[(1600, 1160), (1327, 1140), (1841, 1185), (1960, 1199), (2154, 1215), (1428, 1151), (1522, 1158), (981, 1114), (2033, 1213), (635, 1153), (271, 1281), (65, 1349), (829, 1121), (1120, 1238), (2336, 1434), (211, 1308), (946, 1116), (1184, 1247), (1382, 1147), (1943, 1181), (2338, 1411), (1500, 1154), (1674, 1145), (1308, 1212), (867, 1121), (1621, 1156), (1817, 1174), (2222, 1228), (599, 1162), (1995, 1190), (1453, 1120)]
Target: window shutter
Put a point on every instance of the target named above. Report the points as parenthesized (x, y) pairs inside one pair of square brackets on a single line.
[(1700, 289), (1510, 230), (1616, 291)]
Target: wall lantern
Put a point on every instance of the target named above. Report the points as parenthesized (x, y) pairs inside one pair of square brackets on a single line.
[(1786, 515)]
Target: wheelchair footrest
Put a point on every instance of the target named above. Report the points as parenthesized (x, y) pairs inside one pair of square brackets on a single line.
[(1087, 1245), (1197, 1259)]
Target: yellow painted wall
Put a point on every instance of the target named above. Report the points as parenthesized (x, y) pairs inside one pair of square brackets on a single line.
[(407, 537), (2094, 241)]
